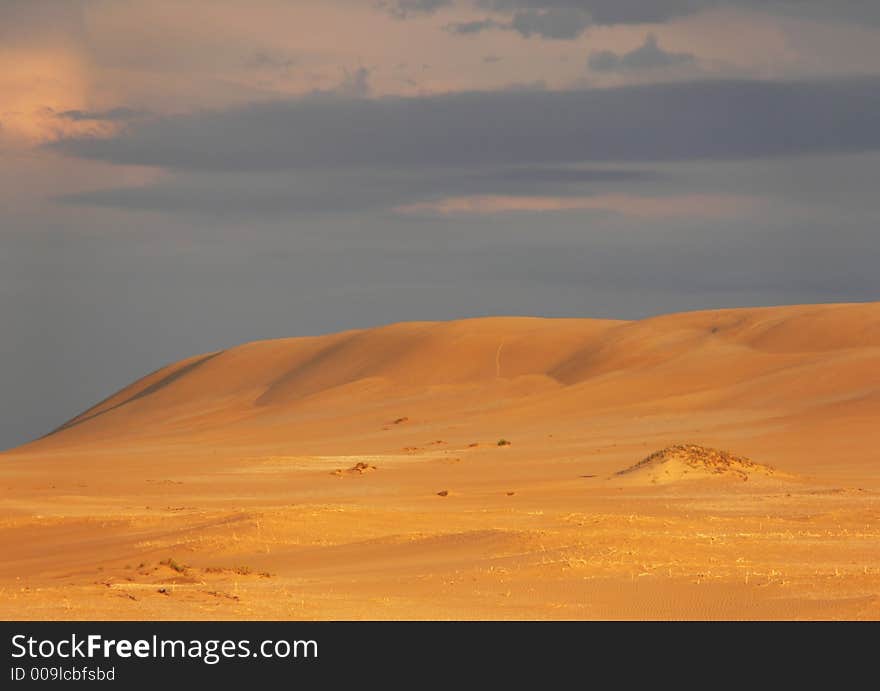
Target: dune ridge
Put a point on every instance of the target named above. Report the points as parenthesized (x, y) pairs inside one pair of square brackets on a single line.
[(808, 355)]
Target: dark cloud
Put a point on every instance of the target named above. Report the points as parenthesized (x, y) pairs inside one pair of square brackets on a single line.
[(604, 11), (690, 120), (555, 23), (111, 115), (536, 176), (563, 23), (475, 27), (647, 56), (354, 84), (278, 194), (265, 60), (609, 12), (404, 8)]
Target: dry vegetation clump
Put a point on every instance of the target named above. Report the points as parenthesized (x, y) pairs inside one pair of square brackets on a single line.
[(358, 468), (173, 565), (684, 459)]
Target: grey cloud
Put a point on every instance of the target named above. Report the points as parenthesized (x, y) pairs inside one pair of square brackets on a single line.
[(269, 195), (527, 87), (354, 84), (563, 23), (647, 56), (266, 60), (689, 120), (606, 11), (534, 176), (111, 115), (475, 27), (555, 23), (609, 12), (404, 8)]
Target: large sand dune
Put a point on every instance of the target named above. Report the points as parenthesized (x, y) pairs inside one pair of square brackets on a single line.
[(361, 474)]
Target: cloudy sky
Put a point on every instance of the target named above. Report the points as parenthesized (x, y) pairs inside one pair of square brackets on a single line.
[(179, 177)]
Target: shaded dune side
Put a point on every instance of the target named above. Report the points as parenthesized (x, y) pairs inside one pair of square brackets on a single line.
[(150, 384), (792, 330), (275, 374), (424, 354)]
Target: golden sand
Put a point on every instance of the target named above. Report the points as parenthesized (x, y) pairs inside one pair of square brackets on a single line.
[(363, 475)]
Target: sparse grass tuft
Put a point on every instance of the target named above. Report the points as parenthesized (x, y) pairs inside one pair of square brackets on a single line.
[(173, 565), (503, 442), (238, 571)]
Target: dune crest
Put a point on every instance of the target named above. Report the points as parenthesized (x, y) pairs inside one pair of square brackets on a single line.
[(767, 360)]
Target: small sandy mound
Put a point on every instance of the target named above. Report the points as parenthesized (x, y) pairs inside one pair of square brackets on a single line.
[(692, 462)]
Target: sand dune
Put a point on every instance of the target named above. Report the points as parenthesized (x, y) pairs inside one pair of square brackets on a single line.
[(322, 464)]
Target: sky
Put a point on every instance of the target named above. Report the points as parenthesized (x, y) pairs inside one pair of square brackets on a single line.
[(181, 177)]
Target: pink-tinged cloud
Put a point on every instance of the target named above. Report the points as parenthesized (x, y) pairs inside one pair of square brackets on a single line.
[(714, 206), (165, 56)]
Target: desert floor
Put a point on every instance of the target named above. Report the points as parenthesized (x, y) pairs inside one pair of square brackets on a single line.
[(360, 475)]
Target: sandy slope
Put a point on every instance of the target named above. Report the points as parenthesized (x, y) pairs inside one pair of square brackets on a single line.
[(239, 470)]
